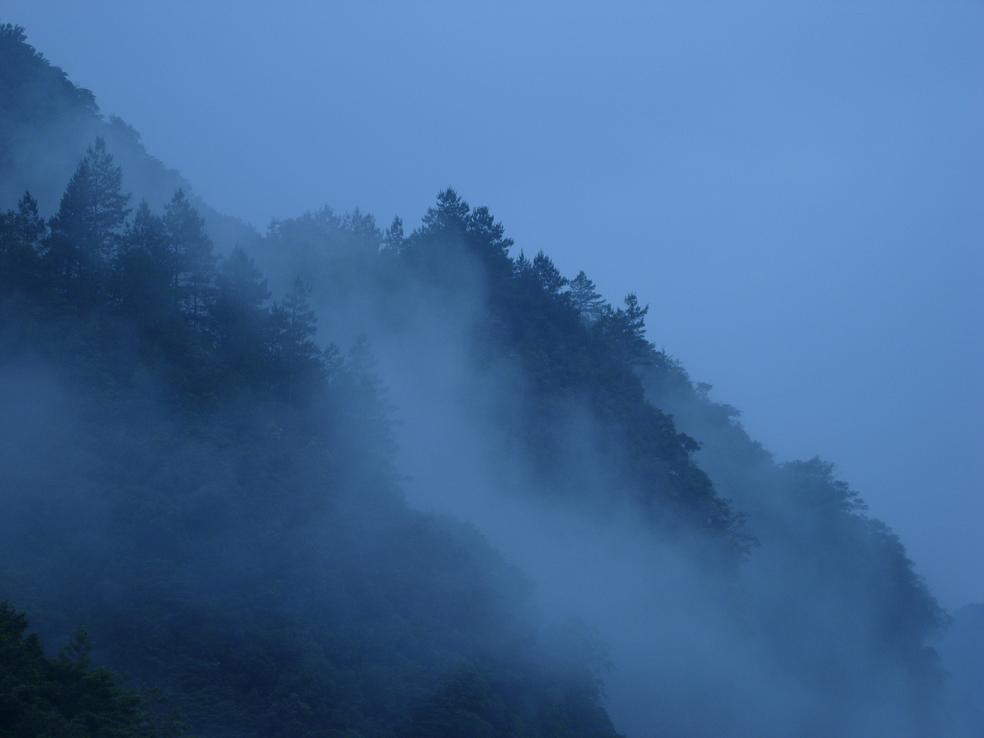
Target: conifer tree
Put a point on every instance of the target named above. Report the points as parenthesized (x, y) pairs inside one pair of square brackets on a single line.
[(488, 232), (297, 360), (238, 317), (142, 269), (66, 695), (193, 275), (361, 228), (393, 238), (626, 329), (448, 217), (635, 317), (585, 298), (88, 227), (21, 234), (547, 275)]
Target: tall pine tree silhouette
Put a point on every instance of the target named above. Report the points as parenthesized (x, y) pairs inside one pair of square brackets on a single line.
[(87, 229)]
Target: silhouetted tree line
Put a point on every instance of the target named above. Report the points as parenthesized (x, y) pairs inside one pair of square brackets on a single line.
[(846, 579), (47, 122), (212, 491), (855, 621), (209, 323), (253, 555), (576, 349), (96, 260)]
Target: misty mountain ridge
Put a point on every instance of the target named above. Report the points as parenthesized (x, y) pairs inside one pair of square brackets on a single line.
[(345, 480), (46, 123)]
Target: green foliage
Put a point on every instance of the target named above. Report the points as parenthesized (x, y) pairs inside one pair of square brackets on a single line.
[(65, 697)]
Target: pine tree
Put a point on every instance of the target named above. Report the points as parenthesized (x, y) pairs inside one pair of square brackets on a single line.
[(393, 238), (297, 360), (193, 276), (21, 234), (362, 230), (625, 328), (142, 270), (635, 317), (88, 228), (239, 319), (449, 217), (66, 695), (488, 232), (585, 298), (547, 275)]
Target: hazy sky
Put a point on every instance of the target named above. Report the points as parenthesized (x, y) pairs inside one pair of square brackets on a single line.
[(796, 188)]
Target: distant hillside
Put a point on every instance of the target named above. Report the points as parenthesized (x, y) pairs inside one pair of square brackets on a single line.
[(46, 123), (962, 650)]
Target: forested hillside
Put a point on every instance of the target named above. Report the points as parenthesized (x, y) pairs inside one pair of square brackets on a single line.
[(212, 494), (46, 124), (66, 696), (345, 480)]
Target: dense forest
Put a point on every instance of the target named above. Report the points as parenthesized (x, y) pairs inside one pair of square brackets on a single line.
[(347, 480)]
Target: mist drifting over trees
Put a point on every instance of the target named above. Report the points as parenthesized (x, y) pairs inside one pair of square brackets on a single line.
[(349, 479)]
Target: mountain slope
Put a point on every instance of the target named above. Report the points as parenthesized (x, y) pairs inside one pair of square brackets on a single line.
[(46, 123), (962, 650), (213, 496), (203, 478)]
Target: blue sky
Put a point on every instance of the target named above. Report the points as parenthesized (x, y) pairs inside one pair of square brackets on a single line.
[(796, 188)]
